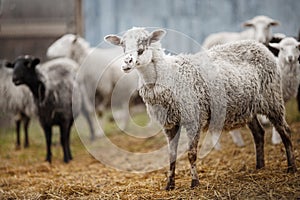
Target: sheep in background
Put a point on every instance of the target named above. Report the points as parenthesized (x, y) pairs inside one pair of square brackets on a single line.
[(16, 100), (260, 31), (56, 95), (100, 71), (180, 92), (290, 71), (86, 109)]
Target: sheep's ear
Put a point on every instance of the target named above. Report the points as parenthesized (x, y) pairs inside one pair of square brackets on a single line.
[(75, 39), (9, 65), (274, 23), (247, 24), (156, 35), (113, 39), (275, 45), (35, 62)]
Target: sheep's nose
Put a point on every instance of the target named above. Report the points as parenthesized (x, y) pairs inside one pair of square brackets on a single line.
[(129, 59), (290, 58)]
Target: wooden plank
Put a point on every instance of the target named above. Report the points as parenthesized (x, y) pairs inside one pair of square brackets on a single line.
[(44, 29)]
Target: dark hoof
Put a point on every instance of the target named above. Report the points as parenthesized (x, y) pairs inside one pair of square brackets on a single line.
[(18, 147), (26, 145), (260, 166), (195, 183), (292, 169), (170, 186), (48, 160)]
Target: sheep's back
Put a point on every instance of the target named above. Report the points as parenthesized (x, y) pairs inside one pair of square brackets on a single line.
[(14, 99), (62, 93)]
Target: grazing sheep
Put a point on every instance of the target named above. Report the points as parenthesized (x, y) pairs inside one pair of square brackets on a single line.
[(97, 64), (290, 71), (17, 101), (260, 31), (52, 85), (229, 84)]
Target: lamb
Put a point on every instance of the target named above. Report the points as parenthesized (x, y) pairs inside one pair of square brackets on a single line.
[(260, 31), (100, 70), (290, 71), (16, 100), (53, 87), (185, 90)]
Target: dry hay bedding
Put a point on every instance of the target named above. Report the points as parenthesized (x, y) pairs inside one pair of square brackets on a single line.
[(228, 174)]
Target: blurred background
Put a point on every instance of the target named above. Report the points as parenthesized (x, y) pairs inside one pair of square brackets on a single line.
[(30, 26)]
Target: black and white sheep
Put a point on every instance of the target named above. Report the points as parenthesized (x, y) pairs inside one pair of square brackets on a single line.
[(17, 101), (100, 71), (56, 95), (230, 84), (290, 71)]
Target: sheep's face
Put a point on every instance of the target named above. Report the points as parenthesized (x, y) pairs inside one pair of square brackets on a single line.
[(23, 69), (62, 47), (288, 50), (137, 48), (262, 28)]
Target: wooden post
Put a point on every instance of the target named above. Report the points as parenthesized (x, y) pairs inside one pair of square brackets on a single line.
[(79, 17)]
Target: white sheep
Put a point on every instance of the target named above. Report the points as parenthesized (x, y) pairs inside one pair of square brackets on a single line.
[(220, 89), (290, 71), (260, 31), (17, 101), (100, 70)]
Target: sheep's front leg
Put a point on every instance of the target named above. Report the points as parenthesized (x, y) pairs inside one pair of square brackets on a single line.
[(173, 137), (26, 121), (192, 155), (18, 124)]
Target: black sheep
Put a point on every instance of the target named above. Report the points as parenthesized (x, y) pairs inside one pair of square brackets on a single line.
[(52, 86)]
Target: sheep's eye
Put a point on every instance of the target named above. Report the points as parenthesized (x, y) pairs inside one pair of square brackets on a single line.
[(140, 51), (281, 49)]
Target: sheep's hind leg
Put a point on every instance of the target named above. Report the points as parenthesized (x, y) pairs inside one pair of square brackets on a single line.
[(193, 137), (48, 135), (89, 120), (258, 135), (68, 143), (284, 131), (173, 137), (64, 141)]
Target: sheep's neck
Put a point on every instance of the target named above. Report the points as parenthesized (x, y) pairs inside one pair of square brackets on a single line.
[(37, 88), (78, 54), (148, 73)]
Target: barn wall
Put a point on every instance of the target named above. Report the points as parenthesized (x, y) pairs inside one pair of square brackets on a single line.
[(196, 18), (30, 26)]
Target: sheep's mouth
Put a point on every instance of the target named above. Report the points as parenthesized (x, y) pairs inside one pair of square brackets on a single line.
[(17, 82), (126, 69)]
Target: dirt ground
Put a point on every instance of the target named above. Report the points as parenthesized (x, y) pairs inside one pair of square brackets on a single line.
[(226, 174)]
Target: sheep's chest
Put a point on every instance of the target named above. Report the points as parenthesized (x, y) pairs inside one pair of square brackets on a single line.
[(161, 104)]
